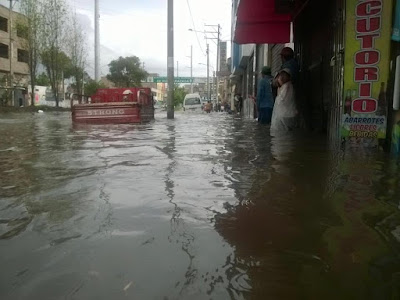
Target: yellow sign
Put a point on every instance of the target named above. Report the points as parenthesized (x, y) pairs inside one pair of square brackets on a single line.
[(367, 57)]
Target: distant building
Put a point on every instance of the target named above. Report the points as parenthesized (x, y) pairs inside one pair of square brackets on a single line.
[(158, 88), (149, 81), (19, 56), (162, 94)]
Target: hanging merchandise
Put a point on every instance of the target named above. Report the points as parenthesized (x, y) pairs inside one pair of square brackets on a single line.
[(396, 26)]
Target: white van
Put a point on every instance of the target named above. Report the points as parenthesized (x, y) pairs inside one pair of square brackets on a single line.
[(192, 102)]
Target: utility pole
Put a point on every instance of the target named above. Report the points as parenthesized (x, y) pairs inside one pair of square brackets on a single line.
[(97, 41), (218, 32), (191, 69), (208, 72), (11, 54), (177, 68), (217, 68), (170, 60), (213, 80)]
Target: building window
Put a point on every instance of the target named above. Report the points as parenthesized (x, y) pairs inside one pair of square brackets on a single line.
[(3, 50), (23, 56), (3, 24)]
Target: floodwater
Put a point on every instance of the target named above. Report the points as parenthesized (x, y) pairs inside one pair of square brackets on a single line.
[(205, 206)]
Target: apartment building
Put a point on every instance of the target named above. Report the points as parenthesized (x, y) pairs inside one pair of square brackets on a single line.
[(17, 60)]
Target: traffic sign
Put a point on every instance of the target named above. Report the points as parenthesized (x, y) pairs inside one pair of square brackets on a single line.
[(176, 80)]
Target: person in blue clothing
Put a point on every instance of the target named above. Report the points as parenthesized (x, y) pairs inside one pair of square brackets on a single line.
[(265, 98)]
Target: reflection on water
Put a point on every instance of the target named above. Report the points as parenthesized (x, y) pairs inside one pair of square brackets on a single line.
[(204, 206)]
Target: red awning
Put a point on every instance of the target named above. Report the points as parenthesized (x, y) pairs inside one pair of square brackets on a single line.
[(258, 23)]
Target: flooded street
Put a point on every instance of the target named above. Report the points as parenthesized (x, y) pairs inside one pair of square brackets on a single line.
[(205, 206)]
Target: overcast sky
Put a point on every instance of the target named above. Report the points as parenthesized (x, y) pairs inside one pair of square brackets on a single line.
[(139, 27)]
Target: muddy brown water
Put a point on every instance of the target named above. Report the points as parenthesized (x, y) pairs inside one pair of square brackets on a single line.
[(206, 206)]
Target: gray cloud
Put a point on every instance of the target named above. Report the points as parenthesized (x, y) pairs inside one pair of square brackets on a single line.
[(138, 27)]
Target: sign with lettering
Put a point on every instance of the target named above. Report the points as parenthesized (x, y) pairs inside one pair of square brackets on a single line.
[(198, 80), (96, 113), (176, 79), (367, 57)]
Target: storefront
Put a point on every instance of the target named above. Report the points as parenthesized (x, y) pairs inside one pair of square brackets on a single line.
[(347, 61), (256, 29), (367, 66), (319, 46)]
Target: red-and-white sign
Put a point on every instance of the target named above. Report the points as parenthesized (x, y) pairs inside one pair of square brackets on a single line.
[(366, 69)]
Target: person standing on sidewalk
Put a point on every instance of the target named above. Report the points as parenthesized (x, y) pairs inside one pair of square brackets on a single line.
[(289, 62), (238, 103), (265, 98), (285, 112)]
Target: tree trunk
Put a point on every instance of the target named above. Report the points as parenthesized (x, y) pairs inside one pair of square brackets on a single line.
[(56, 95), (33, 83), (32, 70), (53, 83)]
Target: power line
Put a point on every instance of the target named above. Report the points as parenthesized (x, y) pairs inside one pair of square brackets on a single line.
[(105, 11), (213, 40), (194, 27)]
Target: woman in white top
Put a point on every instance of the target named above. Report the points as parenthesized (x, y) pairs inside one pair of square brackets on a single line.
[(285, 112)]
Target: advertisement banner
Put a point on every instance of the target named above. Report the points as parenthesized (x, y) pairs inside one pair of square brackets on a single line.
[(396, 26), (222, 56), (367, 58), (396, 139)]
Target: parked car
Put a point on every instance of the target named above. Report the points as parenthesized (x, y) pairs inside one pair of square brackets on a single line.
[(157, 105), (192, 102)]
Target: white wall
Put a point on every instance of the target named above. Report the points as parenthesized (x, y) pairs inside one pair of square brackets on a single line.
[(43, 96)]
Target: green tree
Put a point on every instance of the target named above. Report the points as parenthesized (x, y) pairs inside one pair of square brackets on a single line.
[(77, 52), (28, 26), (58, 66), (43, 80), (126, 72), (92, 86), (54, 36), (179, 95)]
